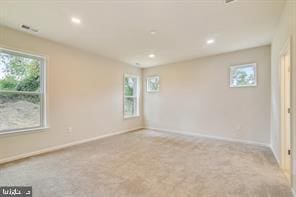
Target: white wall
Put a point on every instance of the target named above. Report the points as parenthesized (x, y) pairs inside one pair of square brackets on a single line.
[(195, 97), (285, 29), (85, 91)]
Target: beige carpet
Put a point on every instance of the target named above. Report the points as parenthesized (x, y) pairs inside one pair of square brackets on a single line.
[(148, 163)]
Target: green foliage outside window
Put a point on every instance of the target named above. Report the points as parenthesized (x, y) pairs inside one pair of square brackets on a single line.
[(243, 78), (19, 73), (243, 75), (130, 86)]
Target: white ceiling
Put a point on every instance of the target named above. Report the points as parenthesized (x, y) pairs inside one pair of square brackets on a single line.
[(120, 29)]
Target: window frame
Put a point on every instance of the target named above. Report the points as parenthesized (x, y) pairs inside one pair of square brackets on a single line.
[(231, 71), (41, 93), (147, 84), (137, 97)]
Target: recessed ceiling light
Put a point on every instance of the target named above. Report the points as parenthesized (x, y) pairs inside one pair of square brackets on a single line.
[(152, 55), (210, 41), (75, 20), (152, 32)]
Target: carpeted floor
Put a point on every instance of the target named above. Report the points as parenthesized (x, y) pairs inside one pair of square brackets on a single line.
[(154, 164)]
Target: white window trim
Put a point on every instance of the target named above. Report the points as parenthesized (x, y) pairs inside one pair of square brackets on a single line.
[(43, 102), (147, 85), (242, 66), (137, 96)]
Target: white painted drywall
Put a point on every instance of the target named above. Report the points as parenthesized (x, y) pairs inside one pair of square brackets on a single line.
[(195, 97), (85, 92)]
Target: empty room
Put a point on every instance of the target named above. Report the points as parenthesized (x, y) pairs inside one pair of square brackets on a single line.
[(152, 98)]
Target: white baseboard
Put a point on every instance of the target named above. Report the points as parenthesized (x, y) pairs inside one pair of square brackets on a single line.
[(55, 148), (209, 136)]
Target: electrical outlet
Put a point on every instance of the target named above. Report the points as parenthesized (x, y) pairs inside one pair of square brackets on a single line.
[(238, 127), (237, 131)]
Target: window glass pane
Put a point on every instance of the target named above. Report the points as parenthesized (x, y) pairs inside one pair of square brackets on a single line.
[(130, 106), (130, 86), (131, 96), (153, 84), (19, 111), (18, 73), (243, 75)]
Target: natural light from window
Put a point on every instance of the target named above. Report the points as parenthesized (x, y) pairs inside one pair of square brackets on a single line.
[(21, 91), (131, 96)]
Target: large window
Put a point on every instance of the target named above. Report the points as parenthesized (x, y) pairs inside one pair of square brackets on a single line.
[(131, 96), (21, 91)]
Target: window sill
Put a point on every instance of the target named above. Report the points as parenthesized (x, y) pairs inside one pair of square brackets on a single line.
[(131, 117), (23, 131)]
